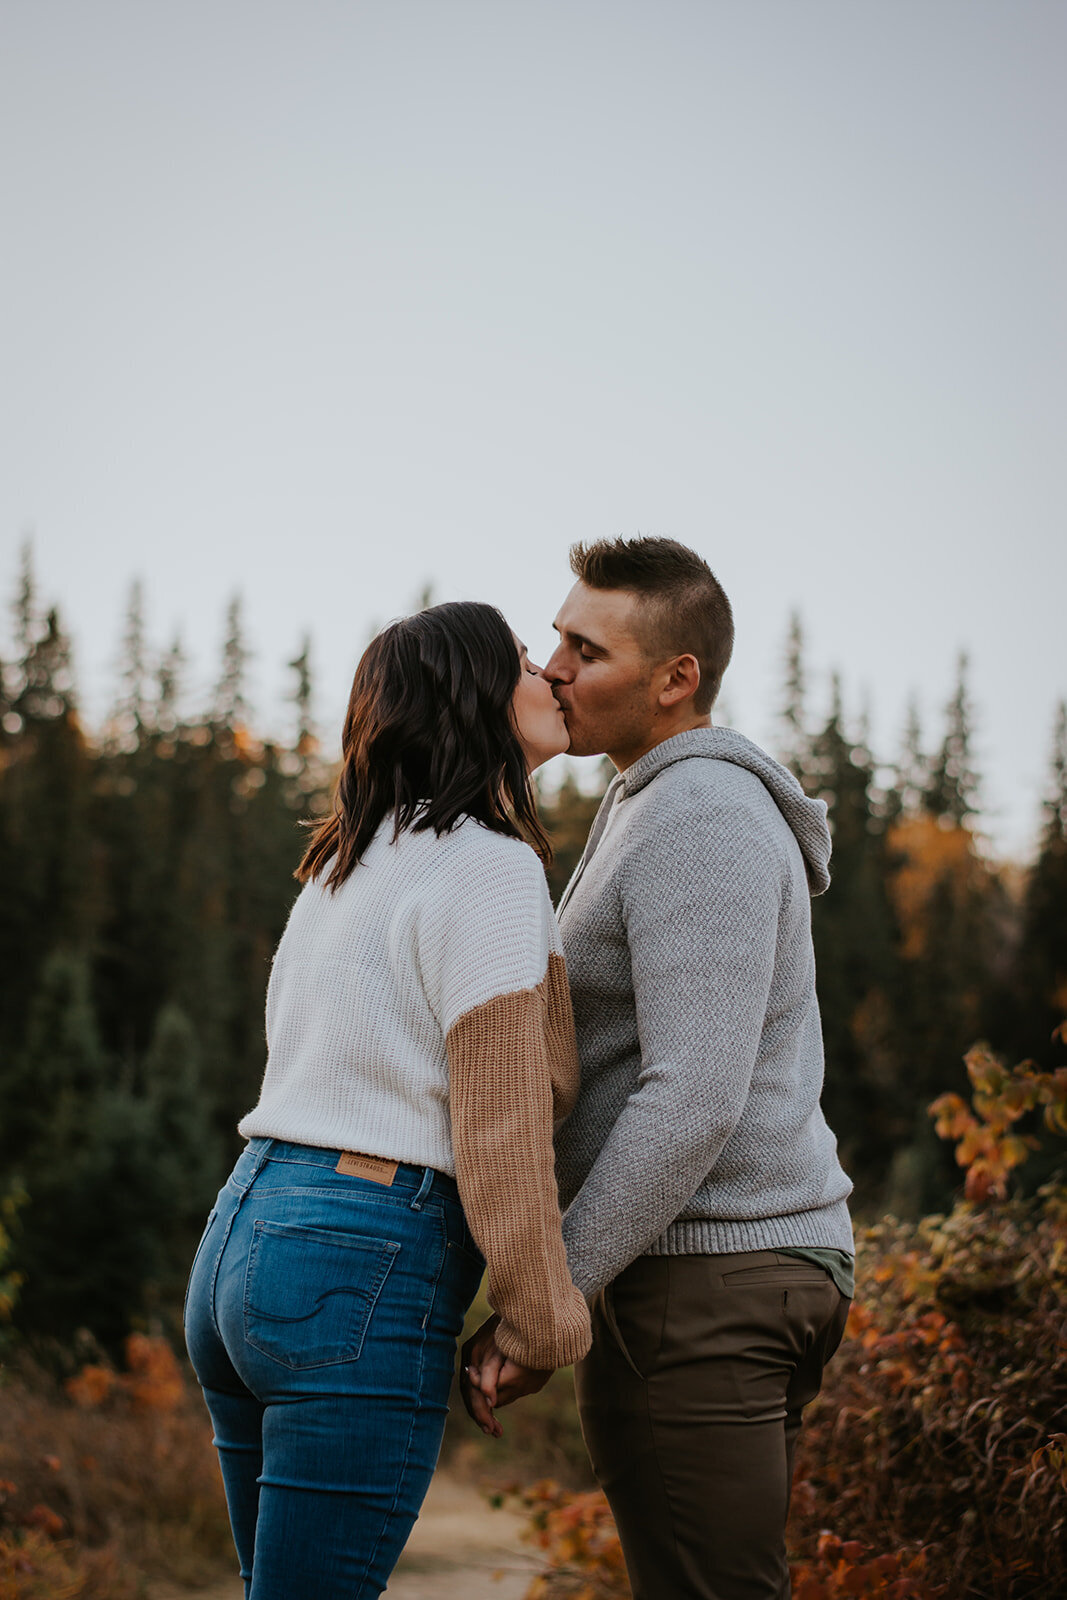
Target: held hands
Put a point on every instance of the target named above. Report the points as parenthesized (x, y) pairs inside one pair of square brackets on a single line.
[(488, 1378)]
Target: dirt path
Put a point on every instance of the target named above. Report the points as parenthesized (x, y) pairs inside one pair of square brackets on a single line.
[(461, 1549)]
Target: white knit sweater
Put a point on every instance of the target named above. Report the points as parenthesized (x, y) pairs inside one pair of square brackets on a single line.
[(420, 1012), (368, 980)]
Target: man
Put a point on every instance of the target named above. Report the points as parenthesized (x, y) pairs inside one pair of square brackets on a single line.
[(705, 1207)]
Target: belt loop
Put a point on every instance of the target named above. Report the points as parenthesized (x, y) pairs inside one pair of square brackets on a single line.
[(259, 1160), (424, 1188)]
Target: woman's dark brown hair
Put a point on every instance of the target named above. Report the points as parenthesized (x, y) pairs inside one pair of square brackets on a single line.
[(429, 738)]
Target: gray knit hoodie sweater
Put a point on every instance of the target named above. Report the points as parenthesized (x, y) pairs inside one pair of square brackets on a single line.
[(687, 932)]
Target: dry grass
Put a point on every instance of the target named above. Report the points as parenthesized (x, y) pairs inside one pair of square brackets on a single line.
[(107, 1479)]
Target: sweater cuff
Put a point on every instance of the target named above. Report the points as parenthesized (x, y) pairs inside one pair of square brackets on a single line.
[(560, 1346)]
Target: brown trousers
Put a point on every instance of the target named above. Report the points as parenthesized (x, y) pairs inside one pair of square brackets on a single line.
[(690, 1403)]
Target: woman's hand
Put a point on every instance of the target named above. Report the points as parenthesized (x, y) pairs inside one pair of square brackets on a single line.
[(472, 1358), (489, 1378)]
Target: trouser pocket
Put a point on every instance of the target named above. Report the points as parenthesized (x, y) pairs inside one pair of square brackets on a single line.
[(633, 1309), (777, 1275)]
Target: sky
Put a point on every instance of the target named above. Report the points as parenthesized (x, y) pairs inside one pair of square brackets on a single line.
[(321, 302)]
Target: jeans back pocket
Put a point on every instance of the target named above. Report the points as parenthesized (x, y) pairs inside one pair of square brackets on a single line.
[(309, 1292)]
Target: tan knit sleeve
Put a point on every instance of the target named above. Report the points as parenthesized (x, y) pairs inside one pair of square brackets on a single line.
[(513, 1070)]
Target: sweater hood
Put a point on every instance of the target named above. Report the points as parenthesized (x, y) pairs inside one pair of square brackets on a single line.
[(806, 817)]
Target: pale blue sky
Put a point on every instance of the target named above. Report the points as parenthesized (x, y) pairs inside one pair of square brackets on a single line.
[(323, 300)]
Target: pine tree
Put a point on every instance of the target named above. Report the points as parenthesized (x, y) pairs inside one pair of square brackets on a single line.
[(852, 931), (27, 622), (46, 863), (47, 676), (61, 1067), (26, 627), (1054, 832), (230, 705), (306, 736), (950, 909), (911, 779), (209, 875), (952, 790), (132, 710), (1041, 968), (41, 680), (307, 777), (169, 682), (119, 1168), (794, 738), (62, 1116), (187, 1154)]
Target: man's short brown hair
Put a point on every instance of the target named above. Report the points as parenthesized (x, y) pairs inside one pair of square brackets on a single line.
[(682, 607)]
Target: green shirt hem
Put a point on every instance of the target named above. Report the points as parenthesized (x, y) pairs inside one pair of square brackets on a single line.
[(841, 1267)]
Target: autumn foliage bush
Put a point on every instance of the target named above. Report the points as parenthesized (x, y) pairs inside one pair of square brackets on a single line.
[(933, 1466), (576, 1534), (105, 1478)]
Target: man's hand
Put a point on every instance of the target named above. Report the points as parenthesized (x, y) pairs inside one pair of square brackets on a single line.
[(489, 1378), (514, 1380)]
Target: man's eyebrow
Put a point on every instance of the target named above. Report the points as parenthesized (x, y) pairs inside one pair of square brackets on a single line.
[(580, 639)]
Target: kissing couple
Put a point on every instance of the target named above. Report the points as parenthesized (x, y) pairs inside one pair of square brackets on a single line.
[(615, 1115)]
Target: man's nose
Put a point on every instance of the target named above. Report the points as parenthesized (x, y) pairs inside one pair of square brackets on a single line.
[(555, 669)]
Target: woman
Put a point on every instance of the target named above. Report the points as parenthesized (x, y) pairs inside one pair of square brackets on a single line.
[(420, 1048)]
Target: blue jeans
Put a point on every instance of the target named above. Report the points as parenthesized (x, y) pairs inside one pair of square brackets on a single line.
[(321, 1318)]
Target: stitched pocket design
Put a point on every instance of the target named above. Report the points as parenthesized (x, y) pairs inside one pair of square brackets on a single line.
[(310, 1292)]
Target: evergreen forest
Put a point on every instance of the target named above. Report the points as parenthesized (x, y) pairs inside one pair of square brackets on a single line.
[(147, 874)]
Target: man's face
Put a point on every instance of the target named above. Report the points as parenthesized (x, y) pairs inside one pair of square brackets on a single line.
[(601, 676)]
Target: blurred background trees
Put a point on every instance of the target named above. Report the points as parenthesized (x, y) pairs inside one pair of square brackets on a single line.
[(147, 877)]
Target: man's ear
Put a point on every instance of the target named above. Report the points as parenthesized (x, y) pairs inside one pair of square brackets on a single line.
[(682, 680)]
